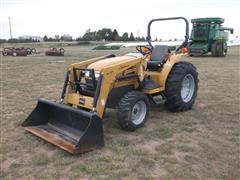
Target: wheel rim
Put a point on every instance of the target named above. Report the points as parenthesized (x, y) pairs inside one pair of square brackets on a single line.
[(188, 87), (139, 112)]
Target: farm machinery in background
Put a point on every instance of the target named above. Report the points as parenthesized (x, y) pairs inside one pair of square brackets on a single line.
[(18, 51), (126, 83), (208, 35), (55, 52)]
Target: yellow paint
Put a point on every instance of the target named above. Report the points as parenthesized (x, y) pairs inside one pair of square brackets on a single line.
[(160, 77), (153, 91), (110, 69), (74, 99)]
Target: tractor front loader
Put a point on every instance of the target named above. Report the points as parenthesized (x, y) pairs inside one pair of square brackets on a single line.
[(126, 83)]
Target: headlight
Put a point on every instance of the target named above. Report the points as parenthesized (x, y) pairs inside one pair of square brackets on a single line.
[(97, 74), (87, 74)]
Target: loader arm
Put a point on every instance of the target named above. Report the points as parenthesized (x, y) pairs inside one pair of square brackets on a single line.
[(110, 80), (110, 77), (72, 126)]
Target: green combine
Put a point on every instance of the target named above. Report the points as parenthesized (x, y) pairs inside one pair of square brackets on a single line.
[(208, 35)]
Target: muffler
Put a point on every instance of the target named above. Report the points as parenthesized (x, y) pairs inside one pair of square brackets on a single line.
[(71, 129)]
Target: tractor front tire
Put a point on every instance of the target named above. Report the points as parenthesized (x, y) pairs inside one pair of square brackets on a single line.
[(133, 110), (181, 87)]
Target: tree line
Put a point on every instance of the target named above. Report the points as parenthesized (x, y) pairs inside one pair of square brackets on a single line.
[(106, 34)]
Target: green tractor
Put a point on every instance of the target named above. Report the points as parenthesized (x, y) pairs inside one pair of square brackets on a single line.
[(208, 35)]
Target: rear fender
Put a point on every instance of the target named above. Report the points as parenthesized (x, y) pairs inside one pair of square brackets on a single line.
[(160, 77)]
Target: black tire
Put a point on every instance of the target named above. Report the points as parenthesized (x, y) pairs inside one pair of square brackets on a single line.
[(181, 72), (221, 49), (33, 50), (126, 107), (61, 50), (4, 53), (214, 49), (224, 49), (29, 51)]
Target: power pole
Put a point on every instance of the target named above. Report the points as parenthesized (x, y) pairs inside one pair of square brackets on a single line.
[(10, 26)]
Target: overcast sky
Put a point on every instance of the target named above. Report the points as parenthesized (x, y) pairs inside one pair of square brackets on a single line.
[(74, 17)]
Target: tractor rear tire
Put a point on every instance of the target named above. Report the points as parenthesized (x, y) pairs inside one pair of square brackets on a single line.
[(220, 48), (214, 49), (181, 87), (133, 110)]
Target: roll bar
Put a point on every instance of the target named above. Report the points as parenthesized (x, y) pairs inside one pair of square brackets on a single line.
[(185, 42)]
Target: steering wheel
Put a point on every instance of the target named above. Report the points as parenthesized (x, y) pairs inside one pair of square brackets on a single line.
[(144, 50)]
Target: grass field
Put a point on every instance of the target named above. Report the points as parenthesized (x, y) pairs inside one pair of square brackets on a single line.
[(202, 143)]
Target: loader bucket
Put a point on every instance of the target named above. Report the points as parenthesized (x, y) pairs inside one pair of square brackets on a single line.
[(71, 129)]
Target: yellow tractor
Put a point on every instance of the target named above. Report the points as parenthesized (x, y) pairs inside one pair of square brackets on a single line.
[(127, 83)]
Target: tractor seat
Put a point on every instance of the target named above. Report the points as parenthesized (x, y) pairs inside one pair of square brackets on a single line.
[(158, 56)]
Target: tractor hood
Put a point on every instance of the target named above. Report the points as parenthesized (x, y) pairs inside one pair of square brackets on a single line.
[(99, 65)]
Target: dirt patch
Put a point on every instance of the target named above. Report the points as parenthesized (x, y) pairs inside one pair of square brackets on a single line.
[(149, 146)]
